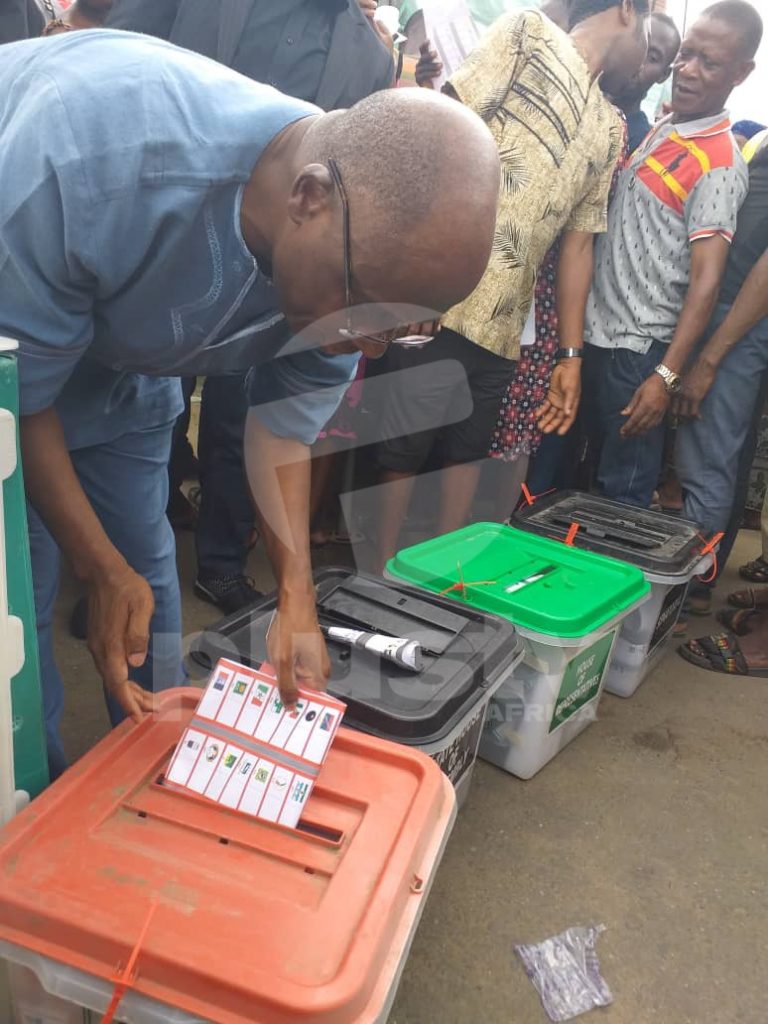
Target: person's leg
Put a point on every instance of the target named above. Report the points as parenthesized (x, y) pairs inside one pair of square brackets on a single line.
[(181, 512), (743, 475), (127, 483), (629, 467), (327, 470), (226, 517), (467, 442), (512, 477), (425, 389), (708, 448), (459, 484), (45, 577), (553, 465)]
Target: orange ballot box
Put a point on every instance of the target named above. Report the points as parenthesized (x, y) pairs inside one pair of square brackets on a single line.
[(122, 895)]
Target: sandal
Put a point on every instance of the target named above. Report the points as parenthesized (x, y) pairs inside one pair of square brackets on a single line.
[(736, 620), (719, 653), (755, 571), (748, 598)]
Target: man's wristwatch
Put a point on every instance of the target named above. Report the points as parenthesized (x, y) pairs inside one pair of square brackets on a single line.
[(569, 353), (672, 381)]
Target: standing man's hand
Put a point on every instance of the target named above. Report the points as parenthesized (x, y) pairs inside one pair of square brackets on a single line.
[(368, 7), (694, 390), (429, 66), (559, 409), (120, 608), (296, 647), (647, 407)]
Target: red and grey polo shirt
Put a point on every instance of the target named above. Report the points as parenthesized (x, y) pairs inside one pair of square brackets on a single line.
[(685, 182)]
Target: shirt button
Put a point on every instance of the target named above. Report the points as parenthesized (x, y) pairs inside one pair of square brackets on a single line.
[(289, 41)]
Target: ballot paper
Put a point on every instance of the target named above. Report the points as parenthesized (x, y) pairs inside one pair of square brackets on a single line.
[(452, 31), (244, 749)]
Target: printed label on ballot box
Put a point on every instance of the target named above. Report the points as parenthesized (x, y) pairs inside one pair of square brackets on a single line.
[(244, 749)]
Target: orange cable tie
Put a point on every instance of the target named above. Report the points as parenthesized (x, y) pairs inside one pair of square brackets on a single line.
[(570, 537), (124, 979)]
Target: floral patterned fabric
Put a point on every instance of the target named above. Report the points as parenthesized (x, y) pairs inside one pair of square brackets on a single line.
[(517, 431)]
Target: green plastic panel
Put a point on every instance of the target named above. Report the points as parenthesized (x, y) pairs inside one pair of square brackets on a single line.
[(559, 591), (30, 758)]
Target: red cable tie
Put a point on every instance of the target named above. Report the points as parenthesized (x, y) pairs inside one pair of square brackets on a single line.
[(709, 546), (570, 537), (125, 979), (527, 494)]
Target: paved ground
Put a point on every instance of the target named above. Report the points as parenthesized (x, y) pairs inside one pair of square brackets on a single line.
[(654, 822)]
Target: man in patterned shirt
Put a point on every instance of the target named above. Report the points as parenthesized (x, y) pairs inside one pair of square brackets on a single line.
[(539, 91), (658, 268)]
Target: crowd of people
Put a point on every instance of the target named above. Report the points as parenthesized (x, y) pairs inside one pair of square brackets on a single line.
[(519, 270)]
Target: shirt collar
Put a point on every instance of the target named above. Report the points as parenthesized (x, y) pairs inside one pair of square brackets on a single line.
[(716, 124)]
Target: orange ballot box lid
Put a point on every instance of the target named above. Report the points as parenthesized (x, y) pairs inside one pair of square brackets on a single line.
[(225, 917)]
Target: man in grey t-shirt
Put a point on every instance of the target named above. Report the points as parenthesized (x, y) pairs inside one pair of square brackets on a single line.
[(658, 268)]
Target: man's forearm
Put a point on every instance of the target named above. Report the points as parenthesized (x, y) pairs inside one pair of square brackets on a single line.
[(574, 279), (279, 474), (55, 492), (708, 258), (749, 307)]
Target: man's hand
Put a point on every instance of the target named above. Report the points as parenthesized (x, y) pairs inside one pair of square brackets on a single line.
[(696, 385), (296, 648), (647, 408), (429, 66), (559, 409), (368, 7), (120, 608)]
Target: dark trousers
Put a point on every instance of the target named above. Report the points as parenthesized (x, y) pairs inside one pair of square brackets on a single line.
[(226, 516), (741, 489), (628, 470), (181, 449)]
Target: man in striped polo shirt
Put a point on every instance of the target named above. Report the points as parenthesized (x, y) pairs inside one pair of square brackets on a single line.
[(658, 268)]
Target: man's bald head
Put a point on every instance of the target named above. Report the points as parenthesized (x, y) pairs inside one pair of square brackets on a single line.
[(421, 175)]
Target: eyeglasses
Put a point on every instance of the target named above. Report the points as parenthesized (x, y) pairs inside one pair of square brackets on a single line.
[(397, 336)]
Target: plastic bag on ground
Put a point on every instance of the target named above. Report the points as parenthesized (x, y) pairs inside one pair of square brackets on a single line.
[(566, 972)]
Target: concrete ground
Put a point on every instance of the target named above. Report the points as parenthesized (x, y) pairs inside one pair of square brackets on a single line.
[(654, 822)]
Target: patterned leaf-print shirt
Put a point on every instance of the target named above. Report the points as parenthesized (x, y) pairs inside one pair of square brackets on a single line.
[(558, 140)]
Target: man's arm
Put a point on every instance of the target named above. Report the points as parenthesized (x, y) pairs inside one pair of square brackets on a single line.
[(291, 399), (574, 277), (279, 473), (650, 402), (749, 307), (120, 601)]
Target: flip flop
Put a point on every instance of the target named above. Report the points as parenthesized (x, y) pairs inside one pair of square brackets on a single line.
[(719, 653), (736, 620), (748, 598), (755, 571)]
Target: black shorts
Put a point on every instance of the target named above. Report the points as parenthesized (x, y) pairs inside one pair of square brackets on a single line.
[(451, 388)]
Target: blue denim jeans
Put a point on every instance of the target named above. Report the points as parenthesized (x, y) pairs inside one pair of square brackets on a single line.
[(226, 517), (126, 482), (628, 468), (709, 448)]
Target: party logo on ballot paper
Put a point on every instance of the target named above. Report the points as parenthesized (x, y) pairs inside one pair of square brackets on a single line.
[(244, 749)]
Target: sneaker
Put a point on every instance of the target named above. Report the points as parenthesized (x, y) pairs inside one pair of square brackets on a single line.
[(229, 593)]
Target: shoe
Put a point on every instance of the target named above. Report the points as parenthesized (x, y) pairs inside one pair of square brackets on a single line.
[(229, 593)]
